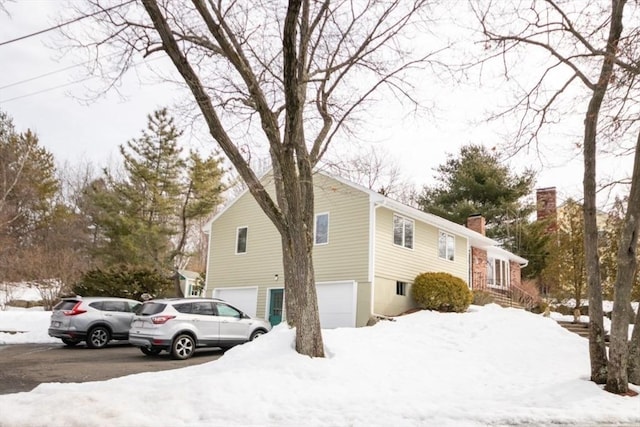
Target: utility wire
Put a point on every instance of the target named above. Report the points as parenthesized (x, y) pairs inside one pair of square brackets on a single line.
[(19, 82), (46, 90), (26, 95), (64, 23)]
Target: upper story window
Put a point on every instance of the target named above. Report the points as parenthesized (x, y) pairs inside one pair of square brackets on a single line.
[(322, 229), (241, 240), (446, 245), (403, 231)]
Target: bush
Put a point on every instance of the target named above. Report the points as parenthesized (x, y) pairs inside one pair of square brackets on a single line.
[(441, 292), (125, 283), (482, 297)]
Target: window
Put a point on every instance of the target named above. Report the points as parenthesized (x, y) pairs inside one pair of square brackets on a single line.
[(203, 308), (446, 246), (227, 311), (114, 306), (241, 240), (497, 272), (403, 231), (401, 288), (322, 229)]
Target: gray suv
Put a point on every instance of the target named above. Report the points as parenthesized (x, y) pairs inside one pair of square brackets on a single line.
[(180, 325), (96, 320)]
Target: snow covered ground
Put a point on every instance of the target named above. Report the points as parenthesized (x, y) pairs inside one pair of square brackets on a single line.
[(489, 366)]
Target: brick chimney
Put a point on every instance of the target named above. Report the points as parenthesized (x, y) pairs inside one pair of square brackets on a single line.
[(476, 223), (546, 208)]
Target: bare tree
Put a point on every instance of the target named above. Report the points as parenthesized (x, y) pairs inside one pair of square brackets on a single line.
[(587, 56), (377, 170), (289, 76)]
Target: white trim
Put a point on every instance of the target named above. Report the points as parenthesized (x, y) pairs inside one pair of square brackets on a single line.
[(246, 240), (315, 224), (206, 269)]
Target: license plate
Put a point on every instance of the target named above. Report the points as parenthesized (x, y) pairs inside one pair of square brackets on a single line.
[(137, 324)]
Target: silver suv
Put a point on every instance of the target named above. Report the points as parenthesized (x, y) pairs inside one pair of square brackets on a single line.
[(179, 325), (96, 320)]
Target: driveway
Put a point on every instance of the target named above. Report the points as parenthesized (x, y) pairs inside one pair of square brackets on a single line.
[(24, 366)]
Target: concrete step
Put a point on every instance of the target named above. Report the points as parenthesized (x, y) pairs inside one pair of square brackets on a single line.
[(579, 328)]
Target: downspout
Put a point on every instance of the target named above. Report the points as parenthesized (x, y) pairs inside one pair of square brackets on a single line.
[(373, 207)]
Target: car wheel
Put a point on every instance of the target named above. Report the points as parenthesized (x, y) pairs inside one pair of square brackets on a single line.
[(150, 351), (69, 342), (183, 347), (98, 337), (256, 334)]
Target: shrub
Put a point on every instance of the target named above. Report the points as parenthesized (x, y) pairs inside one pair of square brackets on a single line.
[(482, 297), (124, 282), (441, 292)]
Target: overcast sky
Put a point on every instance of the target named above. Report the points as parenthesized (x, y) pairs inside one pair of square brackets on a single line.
[(74, 130)]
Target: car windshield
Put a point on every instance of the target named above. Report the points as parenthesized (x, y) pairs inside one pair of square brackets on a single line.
[(150, 308)]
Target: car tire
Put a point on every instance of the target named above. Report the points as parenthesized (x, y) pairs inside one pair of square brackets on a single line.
[(256, 334), (69, 342), (98, 337), (150, 351), (183, 347)]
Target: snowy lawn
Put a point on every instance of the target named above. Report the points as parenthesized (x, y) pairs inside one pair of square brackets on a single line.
[(490, 366)]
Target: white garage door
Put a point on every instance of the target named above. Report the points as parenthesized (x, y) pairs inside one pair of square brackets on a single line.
[(246, 299), (337, 304)]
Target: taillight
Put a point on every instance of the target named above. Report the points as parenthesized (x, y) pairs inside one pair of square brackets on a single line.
[(161, 320), (74, 311)]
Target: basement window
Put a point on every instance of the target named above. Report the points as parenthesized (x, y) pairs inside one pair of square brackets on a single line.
[(401, 288)]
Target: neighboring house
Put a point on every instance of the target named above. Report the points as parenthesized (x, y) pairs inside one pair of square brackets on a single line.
[(190, 283), (368, 249)]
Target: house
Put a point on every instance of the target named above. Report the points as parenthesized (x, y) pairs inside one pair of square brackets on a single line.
[(190, 283), (368, 249)]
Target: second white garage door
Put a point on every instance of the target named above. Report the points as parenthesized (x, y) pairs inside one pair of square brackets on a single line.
[(337, 304), (246, 299)]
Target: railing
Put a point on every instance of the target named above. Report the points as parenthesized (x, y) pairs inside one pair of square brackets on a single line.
[(513, 294), (523, 297)]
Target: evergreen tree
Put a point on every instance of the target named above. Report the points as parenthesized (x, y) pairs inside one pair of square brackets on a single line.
[(477, 182), (145, 218), (28, 189)]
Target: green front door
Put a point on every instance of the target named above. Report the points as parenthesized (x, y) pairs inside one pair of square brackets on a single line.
[(276, 297)]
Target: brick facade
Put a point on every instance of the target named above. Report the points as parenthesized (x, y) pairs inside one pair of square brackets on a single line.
[(546, 208), (477, 224), (514, 272), (478, 268)]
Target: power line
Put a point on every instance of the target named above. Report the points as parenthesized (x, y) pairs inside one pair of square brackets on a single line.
[(64, 23), (26, 95), (46, 90), (19, 82)]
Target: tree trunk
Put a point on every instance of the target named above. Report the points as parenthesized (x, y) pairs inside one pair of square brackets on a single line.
[(597, 349), (619, 352), (301, 298)]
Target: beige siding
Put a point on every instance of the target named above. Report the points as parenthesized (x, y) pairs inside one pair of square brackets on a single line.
[(395, 263), (345, 257), (388, 302)]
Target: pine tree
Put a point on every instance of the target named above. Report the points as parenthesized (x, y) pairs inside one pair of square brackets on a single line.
[(145, 218)]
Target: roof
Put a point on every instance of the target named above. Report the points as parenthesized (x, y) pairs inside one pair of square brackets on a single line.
[(187, 274)]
